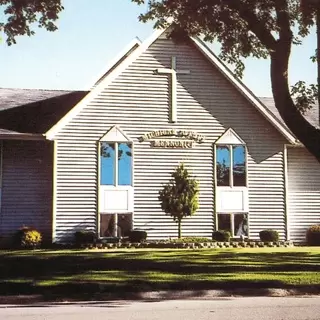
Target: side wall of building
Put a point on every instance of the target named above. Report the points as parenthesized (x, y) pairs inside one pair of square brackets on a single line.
[(303, 192), (138, 102), (26, 198)]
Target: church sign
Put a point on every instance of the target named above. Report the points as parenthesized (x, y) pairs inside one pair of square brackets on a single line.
[(189, 137)]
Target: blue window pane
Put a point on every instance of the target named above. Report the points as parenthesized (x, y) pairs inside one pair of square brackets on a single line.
[(124, 164), (239, 166), (107, 163), (223, 165)]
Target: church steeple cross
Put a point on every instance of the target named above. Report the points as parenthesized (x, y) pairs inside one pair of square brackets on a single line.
[(173, 72)]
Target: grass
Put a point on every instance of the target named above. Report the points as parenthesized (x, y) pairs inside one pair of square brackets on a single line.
[(93, 273)]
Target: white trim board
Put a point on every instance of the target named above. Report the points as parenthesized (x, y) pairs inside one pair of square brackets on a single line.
[(133, 45), (246, 92)]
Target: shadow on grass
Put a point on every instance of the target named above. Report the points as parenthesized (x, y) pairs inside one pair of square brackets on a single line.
[(102, 275)]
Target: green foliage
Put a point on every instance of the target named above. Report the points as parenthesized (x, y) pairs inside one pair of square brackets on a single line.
[(21, 15), (243, 28), (305, 96), (313, 235), (137, 236), (179, 198), (27, 238), (84, 236), (269, 235), (221, 235), (191, 240)]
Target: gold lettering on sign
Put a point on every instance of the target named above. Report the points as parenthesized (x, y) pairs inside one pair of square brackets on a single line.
[(178, 144), (189, 137), (192, 135)]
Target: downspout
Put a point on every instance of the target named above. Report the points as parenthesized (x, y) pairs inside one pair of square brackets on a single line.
[(285, 177), (54, 191), (1, 164)]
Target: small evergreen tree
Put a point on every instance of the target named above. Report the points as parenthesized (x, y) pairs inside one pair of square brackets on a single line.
[(179, 197)]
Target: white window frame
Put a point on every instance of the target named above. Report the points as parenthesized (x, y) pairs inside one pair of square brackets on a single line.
[(230, 139), (115, 136)]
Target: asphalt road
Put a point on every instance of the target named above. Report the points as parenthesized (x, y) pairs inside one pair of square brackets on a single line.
[(261, 308)]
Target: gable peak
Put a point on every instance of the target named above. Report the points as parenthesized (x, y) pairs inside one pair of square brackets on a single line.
[(115, 134), (230, 137)]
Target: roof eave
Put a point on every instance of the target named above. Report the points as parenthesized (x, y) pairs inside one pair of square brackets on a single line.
[(22, 136)]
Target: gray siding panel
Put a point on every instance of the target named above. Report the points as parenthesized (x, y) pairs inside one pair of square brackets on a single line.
[(138, 101), (303, 193), (26, 187)]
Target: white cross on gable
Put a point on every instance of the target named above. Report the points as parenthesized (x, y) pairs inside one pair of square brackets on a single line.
[(173, 72)]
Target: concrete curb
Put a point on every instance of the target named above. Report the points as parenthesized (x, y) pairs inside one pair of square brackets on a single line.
[(25, 300)]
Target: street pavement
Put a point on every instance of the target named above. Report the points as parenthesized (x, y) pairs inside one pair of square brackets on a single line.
[(245, 308)]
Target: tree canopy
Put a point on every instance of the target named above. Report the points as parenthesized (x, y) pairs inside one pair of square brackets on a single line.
[(22, 16), (253, 28)]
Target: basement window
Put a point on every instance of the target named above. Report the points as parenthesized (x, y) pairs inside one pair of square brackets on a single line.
[(235, 223)]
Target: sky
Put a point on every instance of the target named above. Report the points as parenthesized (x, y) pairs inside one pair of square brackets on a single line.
[(91, 33)]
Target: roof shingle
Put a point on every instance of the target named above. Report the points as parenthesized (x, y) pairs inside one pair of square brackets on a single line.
[(35, 111)]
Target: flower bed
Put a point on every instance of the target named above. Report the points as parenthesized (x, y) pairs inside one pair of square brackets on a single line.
[(188, 245)]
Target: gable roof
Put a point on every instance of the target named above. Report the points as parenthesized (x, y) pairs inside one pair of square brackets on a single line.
[(47, 111), (34, 111), (124, 62)]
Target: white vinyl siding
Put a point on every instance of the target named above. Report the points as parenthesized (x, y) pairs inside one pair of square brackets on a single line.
[(138, 101), (303, 192), (26, 187)]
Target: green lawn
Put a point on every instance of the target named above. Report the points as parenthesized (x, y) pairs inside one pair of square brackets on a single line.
[(92, 273)]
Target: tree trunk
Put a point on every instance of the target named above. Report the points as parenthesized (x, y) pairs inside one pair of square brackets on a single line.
[(303, 130), (318, 55), (179, 228)]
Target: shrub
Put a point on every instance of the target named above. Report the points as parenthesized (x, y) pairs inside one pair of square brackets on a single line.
[(221, 236), (191, 240), (137, 236), (269, 235), (313, 235), (27, 238), (84, 236)]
